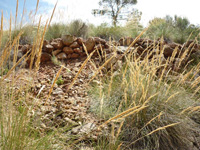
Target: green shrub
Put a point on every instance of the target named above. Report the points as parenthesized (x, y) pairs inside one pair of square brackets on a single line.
[(78, 28), (105, 31), (56, 30)]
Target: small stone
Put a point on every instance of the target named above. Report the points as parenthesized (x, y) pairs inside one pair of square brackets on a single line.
[(45, 57), (74, 45), (61, 56), (56, 52), (57, 43), (68, 50), (48, 48), (58, 91), (74, 55)]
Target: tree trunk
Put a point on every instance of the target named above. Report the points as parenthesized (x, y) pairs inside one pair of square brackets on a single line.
[(114, 21)]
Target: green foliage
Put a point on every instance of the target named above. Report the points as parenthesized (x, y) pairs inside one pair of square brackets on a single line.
[(114, 8), (56, 30), (78, 28), (177, 29), (29, 33), (115, 33), (105, 31), (60, 80)]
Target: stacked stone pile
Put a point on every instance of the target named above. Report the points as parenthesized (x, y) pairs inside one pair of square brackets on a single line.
[(68, 47), (146, 45), (71, 47), (164, 49)]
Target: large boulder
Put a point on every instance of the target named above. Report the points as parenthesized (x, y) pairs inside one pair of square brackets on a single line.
[(68, 39)]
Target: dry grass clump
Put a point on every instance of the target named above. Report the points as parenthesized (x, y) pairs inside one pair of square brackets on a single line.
[(146, 104), (17, 127)]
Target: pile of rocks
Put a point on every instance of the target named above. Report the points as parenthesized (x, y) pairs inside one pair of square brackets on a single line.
[(179, 55), (167, 47), (68, 47)]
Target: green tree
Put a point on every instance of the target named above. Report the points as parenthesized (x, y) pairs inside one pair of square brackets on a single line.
[(114, 8)]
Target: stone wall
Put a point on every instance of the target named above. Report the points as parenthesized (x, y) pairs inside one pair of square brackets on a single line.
[(71, 47), (68, 47)]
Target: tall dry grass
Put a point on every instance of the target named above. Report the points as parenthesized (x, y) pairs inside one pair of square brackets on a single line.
[(17, 126), (147, 104)]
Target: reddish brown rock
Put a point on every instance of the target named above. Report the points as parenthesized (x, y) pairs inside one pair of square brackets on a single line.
[(48, 48), (89, 44), (80, 41), (68, 39), (74, 45), (168, 51), (74, 55), (45, 57), (106, 45), (45, 42), (61, 56), (78, 50), (68, 50), (56, 52), (99, 40), (57, 43)]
